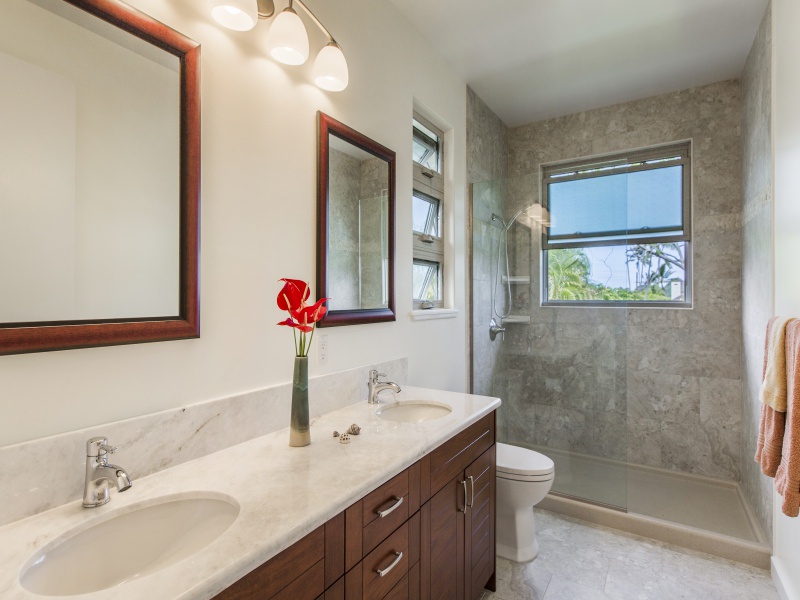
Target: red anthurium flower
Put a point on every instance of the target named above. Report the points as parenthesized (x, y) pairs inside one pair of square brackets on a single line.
[(292, 298), (300, 326), (310, 314), (293, 294)]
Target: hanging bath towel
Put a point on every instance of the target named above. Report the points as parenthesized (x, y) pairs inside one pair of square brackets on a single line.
[(772, 424), (787, 480)]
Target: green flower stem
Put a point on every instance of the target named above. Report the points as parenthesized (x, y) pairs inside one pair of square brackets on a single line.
[(313, 329)]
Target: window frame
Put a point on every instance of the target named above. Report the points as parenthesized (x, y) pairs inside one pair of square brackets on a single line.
[(437, 144), (629, 162), (416, 261), (430, 183)]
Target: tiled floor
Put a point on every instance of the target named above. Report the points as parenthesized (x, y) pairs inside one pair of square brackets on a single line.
[(580, 561)]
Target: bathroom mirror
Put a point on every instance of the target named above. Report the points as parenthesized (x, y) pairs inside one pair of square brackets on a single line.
[(99, 177), (355, 238)]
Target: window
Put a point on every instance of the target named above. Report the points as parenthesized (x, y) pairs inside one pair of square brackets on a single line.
[(426, 145), (425, 214), (619, 229), (427, 280), (427, 204)]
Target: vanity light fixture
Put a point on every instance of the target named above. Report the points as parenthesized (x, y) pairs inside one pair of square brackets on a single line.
[(287, 39)]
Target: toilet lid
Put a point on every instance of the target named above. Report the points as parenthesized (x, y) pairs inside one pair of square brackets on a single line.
[(521, 461)]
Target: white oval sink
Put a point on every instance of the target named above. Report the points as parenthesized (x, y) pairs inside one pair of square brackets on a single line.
[(132, 543), (414, 411)]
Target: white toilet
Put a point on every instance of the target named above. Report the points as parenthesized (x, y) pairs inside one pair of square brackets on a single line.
[(523, 479)]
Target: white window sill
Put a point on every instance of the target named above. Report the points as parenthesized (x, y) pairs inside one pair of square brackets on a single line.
[(433, 313)]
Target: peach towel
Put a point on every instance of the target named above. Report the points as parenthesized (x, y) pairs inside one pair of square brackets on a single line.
[(772, 424), (773, 387), (784, 439)]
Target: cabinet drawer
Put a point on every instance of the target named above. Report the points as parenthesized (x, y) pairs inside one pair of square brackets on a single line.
[(374, 586), (456, 454), (306, 587), (399, 591), (297, 561), (389, 500)]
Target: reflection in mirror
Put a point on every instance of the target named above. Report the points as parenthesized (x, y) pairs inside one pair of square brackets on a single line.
[(355, 267), (99, 168), (358, 208), (89, 160)]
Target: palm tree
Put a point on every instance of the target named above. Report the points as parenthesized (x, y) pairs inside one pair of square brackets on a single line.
[(568, 272)]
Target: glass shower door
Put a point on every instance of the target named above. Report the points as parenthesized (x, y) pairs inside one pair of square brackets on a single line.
[(560, 371)]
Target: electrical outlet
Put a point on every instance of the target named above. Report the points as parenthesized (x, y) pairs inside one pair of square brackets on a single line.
[(323, 349)]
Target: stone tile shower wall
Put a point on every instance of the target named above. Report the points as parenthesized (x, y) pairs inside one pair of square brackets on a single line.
[(658, 387), (345, 173), (757, 271), (357, 212), (486, 168)]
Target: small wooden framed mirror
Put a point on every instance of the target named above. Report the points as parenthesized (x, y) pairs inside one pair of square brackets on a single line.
[(356, 226)]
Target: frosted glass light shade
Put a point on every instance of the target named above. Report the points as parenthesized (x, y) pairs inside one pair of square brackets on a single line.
[(330, 69), (239, 15), (287, 41)]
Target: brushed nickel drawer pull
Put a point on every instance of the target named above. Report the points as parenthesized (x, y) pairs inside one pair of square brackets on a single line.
[(463, 510), (472, 489), (382, 572), (383, 513)]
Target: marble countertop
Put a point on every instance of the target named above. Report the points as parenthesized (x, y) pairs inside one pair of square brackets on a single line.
[(283, 493)]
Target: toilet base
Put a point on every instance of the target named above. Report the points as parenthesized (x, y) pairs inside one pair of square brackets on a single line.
[(516, 536), (520, 555)]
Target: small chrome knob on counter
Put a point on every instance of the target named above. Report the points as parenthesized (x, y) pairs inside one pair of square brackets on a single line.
[(100, 474)]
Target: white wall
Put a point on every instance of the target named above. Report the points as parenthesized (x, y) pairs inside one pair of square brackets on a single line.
[(117, 111), (258, 220), (786, 148), (37, 193)]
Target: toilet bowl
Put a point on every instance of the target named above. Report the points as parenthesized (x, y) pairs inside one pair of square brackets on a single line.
[(523, 479)]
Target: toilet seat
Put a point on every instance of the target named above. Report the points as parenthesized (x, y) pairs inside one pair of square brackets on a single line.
[(521, 464), (526, 478)]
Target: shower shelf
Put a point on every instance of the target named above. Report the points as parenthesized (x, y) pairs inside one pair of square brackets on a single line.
[(517, 319), (516, 279)]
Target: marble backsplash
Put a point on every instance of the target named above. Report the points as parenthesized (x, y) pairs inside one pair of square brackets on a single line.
[(40, 474)]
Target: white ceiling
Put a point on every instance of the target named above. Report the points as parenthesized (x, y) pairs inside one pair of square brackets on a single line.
[(536, 59)]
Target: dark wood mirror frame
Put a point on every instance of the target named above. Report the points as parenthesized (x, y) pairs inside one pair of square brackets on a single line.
[(329, 126), (18, 338)]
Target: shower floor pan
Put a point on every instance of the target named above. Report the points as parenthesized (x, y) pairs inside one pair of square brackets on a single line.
[(700, 513)]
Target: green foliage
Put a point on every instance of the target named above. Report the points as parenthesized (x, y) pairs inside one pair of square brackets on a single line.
[(568, 275)]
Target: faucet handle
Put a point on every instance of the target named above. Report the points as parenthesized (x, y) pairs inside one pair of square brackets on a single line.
[(98, 447), (374, 375)]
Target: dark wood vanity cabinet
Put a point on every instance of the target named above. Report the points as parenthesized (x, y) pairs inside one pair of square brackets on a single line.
[(429, 530), (458, 523)]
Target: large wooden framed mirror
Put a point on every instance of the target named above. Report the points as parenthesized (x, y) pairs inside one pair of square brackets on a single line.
[(355, 237), (99, 177)]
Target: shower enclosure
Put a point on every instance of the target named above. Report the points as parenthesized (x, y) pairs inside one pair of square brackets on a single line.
[(564, 374), (560, 371)]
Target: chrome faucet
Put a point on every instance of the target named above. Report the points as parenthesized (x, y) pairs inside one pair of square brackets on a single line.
[(99, 473), (376, 387)]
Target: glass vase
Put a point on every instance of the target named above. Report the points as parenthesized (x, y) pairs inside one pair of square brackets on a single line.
[(299, 429)]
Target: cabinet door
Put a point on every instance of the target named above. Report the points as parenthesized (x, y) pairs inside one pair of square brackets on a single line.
[(443, 543), (480, 523)]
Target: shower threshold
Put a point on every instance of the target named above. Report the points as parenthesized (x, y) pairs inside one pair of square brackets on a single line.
[(700, 513)]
